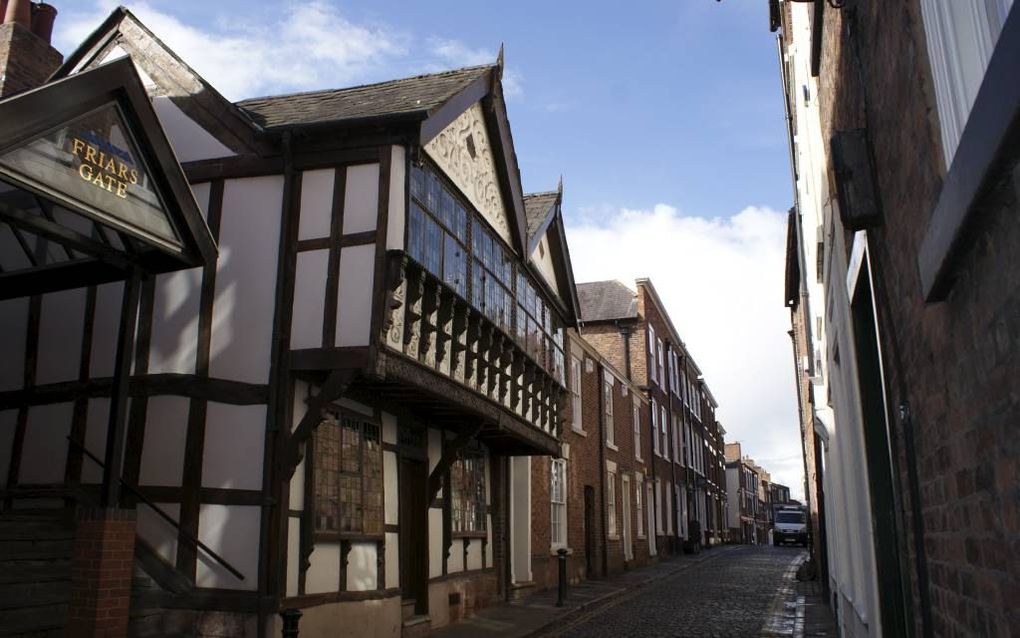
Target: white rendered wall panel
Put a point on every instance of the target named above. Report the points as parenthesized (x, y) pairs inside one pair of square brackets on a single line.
[(354, 308), (396, 217), (201, 193), (190, 141), (232, 531), (246, 280), (474, 555), (158, 533), (390, 489), (434, 447), (392, 560), (362, 567), (44, 451), (323, 573), (105, 328), (455, 563), (435, 542), (361, 199), (293, 555), (309, 299), (389, 427), (299, 405), (61, 323), (8, 423), (543, 260), (175, 313), (234, 446), (297, 487), (166, 428), (316, 203), (13, 331), (96, 424)]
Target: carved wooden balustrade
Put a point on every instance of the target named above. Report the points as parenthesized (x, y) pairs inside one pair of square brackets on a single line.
[(428, 321)]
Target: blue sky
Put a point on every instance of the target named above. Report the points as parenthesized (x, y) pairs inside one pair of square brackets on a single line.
[(665, 119)]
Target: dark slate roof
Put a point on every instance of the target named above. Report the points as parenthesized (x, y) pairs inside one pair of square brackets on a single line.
[(606, 300), (536, 207), (406, 96)]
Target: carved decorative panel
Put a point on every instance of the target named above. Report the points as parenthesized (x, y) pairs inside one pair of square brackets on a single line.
[(463, 152)]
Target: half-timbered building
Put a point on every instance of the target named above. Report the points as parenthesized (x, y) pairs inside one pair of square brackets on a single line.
[(328, 415)]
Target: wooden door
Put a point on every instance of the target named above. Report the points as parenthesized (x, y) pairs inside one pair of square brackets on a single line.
[(414, 533), (628, 549)]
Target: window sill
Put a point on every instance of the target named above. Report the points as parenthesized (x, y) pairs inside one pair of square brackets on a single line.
[(612, 446), (469, 534), (554, 550), (578, 431), (984, 143)]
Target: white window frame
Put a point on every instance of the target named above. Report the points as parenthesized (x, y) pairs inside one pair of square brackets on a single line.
[(651, 352), (577, 416), (611, 530), (607, 398), (658, 507), (676, 439), (637, 428), (558, 504), (662, 365), (655, 428), (668, 498), (664, 427), (961, 37), (639, 499)]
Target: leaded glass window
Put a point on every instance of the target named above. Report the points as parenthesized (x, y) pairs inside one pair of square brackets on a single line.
[(467, 491), (347, 477)]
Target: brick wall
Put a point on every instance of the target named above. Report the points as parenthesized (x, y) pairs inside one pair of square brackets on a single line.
[(955, 363), (101, 567), (25, 60)]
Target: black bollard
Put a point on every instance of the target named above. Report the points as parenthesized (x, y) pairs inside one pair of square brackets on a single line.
[(561, 595), (291, 618)]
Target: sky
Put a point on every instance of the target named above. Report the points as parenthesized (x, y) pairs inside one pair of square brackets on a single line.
[(663, 117)]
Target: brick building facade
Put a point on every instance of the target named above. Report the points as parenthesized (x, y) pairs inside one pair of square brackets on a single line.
[(905, 119)]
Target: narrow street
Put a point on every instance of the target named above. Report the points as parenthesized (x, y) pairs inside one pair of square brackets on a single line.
[(730, 594)]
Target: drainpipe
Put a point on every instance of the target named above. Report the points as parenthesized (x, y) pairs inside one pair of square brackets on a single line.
[(602, 470), (672, 463)]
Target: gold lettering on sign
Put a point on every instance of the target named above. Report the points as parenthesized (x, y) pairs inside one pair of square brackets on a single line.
[(102, 170)]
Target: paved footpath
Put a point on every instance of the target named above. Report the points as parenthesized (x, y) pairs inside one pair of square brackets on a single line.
[(728, 591)]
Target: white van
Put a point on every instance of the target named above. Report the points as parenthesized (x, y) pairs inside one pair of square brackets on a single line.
[(790, 526)]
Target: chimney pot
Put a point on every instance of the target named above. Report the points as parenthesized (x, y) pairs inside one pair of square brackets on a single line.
[(19, 11), (43, 16)]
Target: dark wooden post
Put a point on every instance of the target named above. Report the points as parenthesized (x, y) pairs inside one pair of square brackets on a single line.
[(115, 432)]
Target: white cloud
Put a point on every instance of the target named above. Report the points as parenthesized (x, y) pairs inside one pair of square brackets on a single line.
[(722, 283), (314, 47)]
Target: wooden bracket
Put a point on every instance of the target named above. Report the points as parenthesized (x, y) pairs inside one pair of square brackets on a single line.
[(333, 388), (450, 453)]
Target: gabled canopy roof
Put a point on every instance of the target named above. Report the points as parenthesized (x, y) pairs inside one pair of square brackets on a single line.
[(539, 209), (90, 188)]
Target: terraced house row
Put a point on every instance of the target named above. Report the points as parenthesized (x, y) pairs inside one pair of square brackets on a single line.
[(312, 351)]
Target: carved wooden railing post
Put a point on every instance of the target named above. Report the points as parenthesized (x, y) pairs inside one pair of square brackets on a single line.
[(459, 338), (444, 315), (516, 372), (484, 343), (492, 359), (506, 347), (528, 408), (471, 336), (430, 302), (393, 317), (413, 310)]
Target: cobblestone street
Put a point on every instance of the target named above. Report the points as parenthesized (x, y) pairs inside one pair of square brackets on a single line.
[(727, 595)]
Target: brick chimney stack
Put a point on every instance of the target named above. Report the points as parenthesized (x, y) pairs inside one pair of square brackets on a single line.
[(26, 57)]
